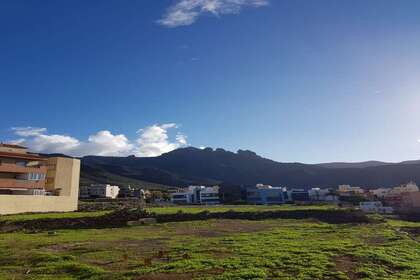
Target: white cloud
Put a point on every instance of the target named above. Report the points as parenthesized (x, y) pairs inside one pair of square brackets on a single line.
[(104, 143), (28, 131), (152, 141), (186, 12), (181, 139)]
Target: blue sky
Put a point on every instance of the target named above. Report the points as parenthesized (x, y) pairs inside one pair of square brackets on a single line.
[(293, 80)]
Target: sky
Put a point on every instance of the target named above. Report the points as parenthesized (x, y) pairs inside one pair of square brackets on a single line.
[(292, 80)]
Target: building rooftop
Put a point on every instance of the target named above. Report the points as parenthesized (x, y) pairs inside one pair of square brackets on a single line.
[(12, 146), (21, 156)]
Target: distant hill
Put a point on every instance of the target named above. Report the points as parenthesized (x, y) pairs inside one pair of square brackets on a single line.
[(363, 164), (190, 165)]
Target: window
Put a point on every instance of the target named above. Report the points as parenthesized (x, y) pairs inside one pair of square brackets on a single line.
[(36, 176)]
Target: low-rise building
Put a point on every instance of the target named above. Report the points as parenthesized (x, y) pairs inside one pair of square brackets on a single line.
[(299, 195), (99, 191), (196, 195), (380, 192), (182, 197), (349, 190), (375, 207), (405, 188), (265, 194), (209, 195), (318, 194), (131, 192), (231, 194)]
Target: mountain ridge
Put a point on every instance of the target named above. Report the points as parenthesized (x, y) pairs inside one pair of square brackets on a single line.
[(208, 166)]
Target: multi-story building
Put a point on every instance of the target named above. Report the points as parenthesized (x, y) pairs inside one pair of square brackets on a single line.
[(32, 183), (99, 191), (21, 172)]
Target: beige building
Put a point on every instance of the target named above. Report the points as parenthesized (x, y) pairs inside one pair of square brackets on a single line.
[(32, 183)]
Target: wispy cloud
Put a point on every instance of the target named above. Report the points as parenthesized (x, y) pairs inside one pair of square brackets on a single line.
[(152, 141), (186, 12)]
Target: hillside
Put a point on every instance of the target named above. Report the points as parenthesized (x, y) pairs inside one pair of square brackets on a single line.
[(195, 166)]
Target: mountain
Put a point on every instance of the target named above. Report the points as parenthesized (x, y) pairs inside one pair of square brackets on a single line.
[(363, 164), (190, 165)]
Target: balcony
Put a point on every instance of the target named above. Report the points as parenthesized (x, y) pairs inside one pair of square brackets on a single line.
[(13, 168), (21, 184)]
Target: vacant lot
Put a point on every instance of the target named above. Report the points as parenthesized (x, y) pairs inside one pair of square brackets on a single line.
[(168, 210), (216, 249)]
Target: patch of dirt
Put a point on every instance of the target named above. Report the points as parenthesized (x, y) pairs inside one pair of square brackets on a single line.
[(347, 265), (219, 254), (65, 247), (219, 228), (146, 244)]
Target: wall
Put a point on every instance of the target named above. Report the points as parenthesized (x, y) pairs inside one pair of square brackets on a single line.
[(12, 204)]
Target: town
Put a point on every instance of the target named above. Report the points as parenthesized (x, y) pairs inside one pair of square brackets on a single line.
[(33, 183)]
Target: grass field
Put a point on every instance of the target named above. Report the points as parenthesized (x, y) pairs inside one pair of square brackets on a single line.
[(215, 249), (165, 210)]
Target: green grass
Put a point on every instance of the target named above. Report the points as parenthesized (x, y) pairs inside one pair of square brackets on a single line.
[(26, 217), (216, 249), (164, 210), (244, 208)]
